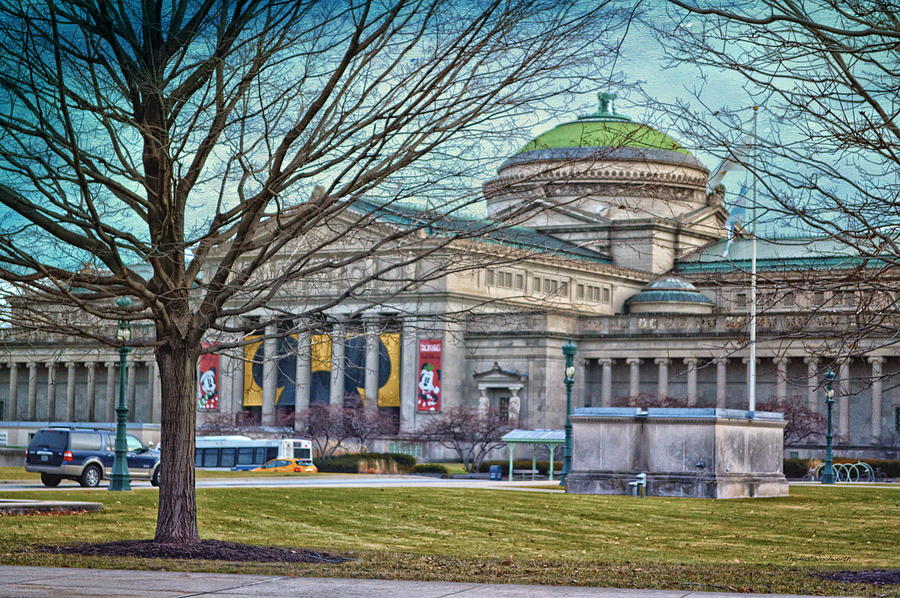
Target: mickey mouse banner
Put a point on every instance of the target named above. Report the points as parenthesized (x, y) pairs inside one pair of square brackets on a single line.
[(429, 384), (208, 382)]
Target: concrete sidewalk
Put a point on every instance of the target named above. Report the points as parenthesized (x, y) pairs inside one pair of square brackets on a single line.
[(80, 583)]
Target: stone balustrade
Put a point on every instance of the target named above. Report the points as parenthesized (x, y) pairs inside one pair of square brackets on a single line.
[(733, 324)]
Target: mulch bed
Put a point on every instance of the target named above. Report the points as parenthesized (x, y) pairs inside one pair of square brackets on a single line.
[(874, 576), (215, 550)]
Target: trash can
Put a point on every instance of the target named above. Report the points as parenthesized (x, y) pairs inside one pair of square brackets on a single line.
[(495, 472)]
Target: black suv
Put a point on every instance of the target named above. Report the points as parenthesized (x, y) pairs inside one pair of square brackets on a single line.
[(86, 455)]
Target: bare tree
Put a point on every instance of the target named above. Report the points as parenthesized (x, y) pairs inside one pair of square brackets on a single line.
[(331, 427), (470, 432), (366, 422), (803, 424), (223, 424), (890, 444), (326, 427), (199, 157), (825, 77)]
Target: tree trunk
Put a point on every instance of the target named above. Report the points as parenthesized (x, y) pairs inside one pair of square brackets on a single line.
[(177, 516)]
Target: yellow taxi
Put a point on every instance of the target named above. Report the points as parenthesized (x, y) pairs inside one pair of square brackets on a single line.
[(286, 465)]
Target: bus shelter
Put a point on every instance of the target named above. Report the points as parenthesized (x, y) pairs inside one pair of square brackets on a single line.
[(549, 438)]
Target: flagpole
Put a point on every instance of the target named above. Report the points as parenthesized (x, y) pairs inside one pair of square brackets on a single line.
[(751, 389)]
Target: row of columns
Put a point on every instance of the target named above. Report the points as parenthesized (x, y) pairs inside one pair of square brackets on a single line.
[(662, 364), (781, 364), (302, 375), (841, 391), (29, 410)]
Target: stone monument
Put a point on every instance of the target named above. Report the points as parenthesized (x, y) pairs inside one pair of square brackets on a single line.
[(696, 453)]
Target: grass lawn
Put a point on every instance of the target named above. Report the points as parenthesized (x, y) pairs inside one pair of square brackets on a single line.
[(764, 545), (18, 473), (454, 468)]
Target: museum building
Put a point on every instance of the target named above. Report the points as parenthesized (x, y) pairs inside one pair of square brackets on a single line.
[(619, 244)]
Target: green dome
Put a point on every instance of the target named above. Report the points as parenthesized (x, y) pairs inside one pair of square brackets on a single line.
[(604, 128), (602, 133)]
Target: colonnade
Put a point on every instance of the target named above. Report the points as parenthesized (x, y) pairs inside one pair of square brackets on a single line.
[(339, 364), (61, 397), (814, 393)]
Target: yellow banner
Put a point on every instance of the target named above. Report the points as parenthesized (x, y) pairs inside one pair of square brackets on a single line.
[(320, 352), (389, 393), (252, 389)]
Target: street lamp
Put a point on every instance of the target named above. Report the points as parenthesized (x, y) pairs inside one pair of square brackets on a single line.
[(569, 351), (828, 468), (120, 479)]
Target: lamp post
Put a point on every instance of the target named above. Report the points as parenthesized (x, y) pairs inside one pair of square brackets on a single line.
[(828, 468), (120, 480), (569, 351)]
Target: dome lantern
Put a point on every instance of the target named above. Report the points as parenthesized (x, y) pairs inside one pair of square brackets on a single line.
[(607, 110)]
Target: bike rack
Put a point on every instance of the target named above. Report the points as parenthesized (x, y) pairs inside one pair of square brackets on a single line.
[(848, 472)]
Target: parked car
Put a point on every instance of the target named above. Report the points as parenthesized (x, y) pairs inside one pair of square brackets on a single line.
[(86, 455), (283, 466)]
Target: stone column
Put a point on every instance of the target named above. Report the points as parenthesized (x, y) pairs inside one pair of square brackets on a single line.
[(606, 382), (634, 379), (781, 375), (51, 391), (303, 373), (270, 376), (843, 394), (130, 388), (579, 388), (515, 405), (237, 382), (338, 363), (372, 373), (32, 391), (662, 387), (877, 385), (14, 412), (721, 381), (691, 363), (70, 391), (812, 383), (91, 390), (157, 394), (151, 390), (112, 391), (408, 375), (746, 362), (226, 398)]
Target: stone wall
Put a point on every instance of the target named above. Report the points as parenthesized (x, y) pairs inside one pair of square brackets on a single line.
[(697, 453)]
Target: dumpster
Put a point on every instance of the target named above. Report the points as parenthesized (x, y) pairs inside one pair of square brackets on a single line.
[(495, 472)]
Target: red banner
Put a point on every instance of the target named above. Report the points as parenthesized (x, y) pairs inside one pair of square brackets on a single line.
[(208, 382), (429, 385)]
